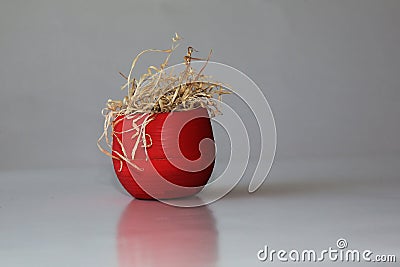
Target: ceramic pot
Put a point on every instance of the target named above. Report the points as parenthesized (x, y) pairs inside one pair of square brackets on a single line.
[(179, 159)]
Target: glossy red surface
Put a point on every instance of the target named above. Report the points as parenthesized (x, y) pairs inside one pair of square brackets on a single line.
[(173, 156), (154, 234)]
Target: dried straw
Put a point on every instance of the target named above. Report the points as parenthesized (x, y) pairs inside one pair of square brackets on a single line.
[(158, 91)]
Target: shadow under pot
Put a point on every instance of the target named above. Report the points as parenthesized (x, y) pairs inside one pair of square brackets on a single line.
[(174, 156)]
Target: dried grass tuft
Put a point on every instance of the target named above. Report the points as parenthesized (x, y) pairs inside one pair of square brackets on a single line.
[(159, 91)]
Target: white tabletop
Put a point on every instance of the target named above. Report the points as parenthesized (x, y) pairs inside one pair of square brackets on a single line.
[(82, 217)]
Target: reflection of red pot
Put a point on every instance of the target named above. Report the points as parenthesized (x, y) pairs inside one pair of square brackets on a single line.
[(154, 234), (174, 167)]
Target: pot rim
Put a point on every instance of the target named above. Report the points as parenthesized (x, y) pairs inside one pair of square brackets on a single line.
[(167, 112)]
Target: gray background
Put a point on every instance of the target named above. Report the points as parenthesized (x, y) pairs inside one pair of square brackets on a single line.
[(330, 70), (331, 73)]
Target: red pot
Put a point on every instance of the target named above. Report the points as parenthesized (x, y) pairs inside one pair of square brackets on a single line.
[(177, 163)]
